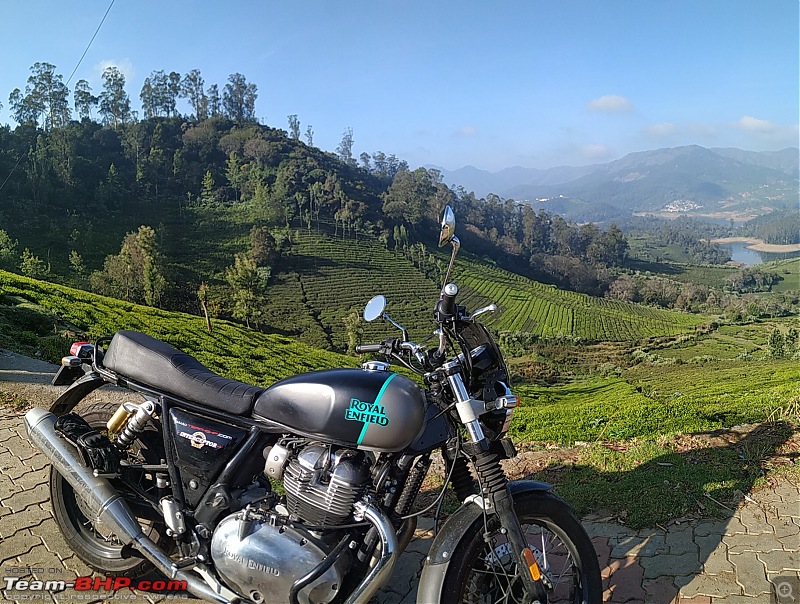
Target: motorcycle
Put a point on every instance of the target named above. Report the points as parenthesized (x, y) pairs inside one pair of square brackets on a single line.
[(302, 493)]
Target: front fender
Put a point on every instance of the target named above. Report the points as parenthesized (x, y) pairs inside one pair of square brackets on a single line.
[(76, 392), (435, 569)]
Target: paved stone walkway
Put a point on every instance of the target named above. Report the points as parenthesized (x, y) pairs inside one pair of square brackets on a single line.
[(740, 560)]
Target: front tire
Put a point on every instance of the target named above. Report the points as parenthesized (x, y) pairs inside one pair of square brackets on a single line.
[(481, 572), (92, 542)]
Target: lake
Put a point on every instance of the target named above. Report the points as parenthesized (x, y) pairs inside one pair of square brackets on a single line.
[(748, 257)]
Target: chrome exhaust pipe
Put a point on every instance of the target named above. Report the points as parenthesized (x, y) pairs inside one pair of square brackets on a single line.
[(378, 574), (105, 503)]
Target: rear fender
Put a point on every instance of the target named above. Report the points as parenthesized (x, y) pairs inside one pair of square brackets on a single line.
[(76, 393), (438, 560)]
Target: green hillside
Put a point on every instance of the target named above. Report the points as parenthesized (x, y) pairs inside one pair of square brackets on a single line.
[(34, 314), (324, 278)]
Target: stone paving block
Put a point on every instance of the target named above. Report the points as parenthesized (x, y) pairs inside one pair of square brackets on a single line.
[(608, 529), (784, 528), (28, 518), (603, 551), (734, 527), (777, 561), (680, 542), (20, 447), (696, 600), (738, 600), (33, 478), (53, 539), (660, 591), (19, 501), (671, 565), (407, 569), (625, 584), (18, 544), (752, 543), (44, 565), (639, 545), (714, 555), (750, 574), (704, 528), (77, 566), (755, 520), (723, 584)]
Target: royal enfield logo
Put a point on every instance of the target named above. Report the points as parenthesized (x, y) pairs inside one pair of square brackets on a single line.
[(369, 413)]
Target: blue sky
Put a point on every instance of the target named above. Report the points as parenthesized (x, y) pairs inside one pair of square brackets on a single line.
[(492, 84)]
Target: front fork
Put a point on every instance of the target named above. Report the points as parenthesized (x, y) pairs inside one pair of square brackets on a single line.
[(494, 487)]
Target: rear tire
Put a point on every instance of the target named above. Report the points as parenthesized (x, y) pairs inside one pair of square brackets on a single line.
[(95, 544), (479, 573)]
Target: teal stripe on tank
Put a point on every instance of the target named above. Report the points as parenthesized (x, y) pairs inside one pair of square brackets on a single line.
[(377, 402)]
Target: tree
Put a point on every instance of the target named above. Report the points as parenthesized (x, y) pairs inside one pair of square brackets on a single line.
[(352, 325), (8, 250), (345, 148), (294, 127), (776, 344), (45, 100), (32, 266), (76, 263), (248, 287), (409, 195), (214, 103), (207, 194), (135, 273), (84, 99), (309, 136), (115, 105), (202, 295), (263, 248), (239, 99), (192, 90)]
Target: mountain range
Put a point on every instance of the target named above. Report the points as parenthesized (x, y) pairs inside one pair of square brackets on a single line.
[(717, 182)]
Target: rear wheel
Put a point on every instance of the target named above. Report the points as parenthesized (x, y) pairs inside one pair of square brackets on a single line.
[(483, 570), (92, 541)]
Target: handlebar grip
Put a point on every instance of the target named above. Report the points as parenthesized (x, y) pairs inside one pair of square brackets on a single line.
[(447, 304), (365, 348)]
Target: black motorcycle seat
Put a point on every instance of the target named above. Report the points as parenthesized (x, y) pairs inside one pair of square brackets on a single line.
[(157, 365)]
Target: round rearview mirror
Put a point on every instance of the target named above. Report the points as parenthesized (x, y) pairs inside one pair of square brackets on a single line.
[(448, 226), (374, 308)]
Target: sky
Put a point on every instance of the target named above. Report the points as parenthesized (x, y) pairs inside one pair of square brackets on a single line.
[(532, 83)]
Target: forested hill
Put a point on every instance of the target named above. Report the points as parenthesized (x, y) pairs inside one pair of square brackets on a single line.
[(73, 192)]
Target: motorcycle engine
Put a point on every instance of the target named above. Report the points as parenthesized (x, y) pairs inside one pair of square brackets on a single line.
[(259, 555), (261, 558), (322, 484)]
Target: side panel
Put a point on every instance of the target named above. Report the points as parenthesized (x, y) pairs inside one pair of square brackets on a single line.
[(202, 448)]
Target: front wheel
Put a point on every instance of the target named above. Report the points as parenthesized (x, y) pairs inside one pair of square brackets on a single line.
[(483, 570)]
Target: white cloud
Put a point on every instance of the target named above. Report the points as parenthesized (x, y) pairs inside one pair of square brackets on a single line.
[(466, 131), (768, 134), (124, 65), (612, 103), (754, 124), (595, 152), (662, 130)]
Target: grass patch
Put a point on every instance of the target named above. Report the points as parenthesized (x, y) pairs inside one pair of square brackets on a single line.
[(651, 481)]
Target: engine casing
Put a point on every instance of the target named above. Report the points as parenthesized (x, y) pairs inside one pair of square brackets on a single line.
[(264, 563), (322, 483)]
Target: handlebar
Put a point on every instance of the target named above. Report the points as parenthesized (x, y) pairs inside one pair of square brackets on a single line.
[(366, 348)]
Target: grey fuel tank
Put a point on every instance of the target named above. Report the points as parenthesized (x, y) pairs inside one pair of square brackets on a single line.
[(364, 409)]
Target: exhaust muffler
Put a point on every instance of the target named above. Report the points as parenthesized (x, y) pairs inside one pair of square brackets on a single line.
[(105, 503)]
